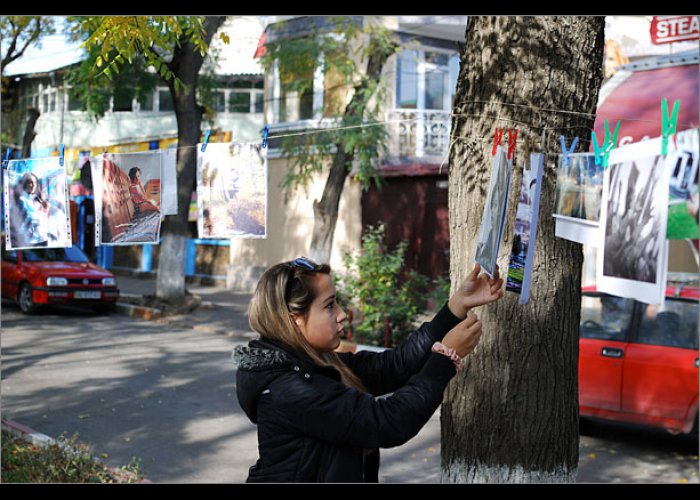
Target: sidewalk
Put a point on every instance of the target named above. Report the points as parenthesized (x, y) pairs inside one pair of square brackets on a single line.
[(225, 312), (222, 311)]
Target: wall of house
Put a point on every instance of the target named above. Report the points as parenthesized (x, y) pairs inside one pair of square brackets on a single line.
[(123, 127), (289, 228)]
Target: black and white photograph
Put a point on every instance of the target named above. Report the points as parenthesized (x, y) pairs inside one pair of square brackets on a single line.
[(493, 219), (634, 216)]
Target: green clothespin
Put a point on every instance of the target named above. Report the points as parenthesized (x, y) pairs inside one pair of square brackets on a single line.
[(602, 154), (668, 123)]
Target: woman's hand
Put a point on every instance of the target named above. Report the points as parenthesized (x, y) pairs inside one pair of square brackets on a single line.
[(476, 290), (464, 337)]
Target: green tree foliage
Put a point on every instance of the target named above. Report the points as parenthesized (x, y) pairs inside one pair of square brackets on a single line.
[(17, 33), (377, 286), (121, 50), (341, 50)]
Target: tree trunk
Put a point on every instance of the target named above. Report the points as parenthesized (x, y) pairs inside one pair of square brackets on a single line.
[(29, 133), (326, 210), (512, 414), (186, 63)]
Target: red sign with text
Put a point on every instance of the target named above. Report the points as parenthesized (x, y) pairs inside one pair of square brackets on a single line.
[(669, 29)]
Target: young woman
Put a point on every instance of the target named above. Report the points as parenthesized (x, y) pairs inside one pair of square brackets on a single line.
[(34, 210), (318, 415), (138, 194)]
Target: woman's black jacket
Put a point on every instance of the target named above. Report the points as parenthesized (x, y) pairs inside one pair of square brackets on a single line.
[(312, 428)]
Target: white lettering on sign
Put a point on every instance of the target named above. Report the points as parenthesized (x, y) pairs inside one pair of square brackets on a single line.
[(675, 29)]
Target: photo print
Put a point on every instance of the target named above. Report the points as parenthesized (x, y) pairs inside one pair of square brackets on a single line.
[(493, 219), (522, 253), (128, 197), (634, 258), (232, 191), (169, 181), (578, 198), (37, 213), (683, 194)]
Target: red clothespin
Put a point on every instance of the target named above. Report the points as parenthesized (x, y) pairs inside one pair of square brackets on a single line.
[(512, 139), (497, 138)]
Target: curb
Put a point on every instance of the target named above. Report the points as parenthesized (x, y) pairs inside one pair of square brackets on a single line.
[(146, 313), (42, 440)]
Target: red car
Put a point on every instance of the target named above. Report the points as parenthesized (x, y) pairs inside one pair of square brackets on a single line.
[(638, 363), (56, 276)]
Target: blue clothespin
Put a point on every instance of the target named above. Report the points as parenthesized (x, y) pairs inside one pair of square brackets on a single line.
[(566, 152), (206, 140), (7, 158), (266, 130), (60, 154), (668, 123)]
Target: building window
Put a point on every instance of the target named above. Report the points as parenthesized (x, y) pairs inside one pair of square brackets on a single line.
[(48, 100), (219, 101), (239, 102), (296, 105), (165, 101), (259, 99), (426, 80), (146, 104), (122, 100), (407, 84), (289, 104)]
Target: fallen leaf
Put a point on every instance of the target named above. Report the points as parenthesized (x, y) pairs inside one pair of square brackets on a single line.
[(592, 455), (682, 480), (613, 452), (104, 455), (431, 449)]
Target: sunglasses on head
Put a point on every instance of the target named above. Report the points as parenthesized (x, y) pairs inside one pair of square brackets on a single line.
[(305, 263)]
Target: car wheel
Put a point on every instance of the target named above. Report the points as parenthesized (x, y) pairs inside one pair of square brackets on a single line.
[(26, 300)]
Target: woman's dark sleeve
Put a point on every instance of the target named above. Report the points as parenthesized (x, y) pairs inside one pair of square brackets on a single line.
[(334, 413), (386, 371)]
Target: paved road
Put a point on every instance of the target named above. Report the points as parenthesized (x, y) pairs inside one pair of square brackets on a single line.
[(160, 392), (165, 392)]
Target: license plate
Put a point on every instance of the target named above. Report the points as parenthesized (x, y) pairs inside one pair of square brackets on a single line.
[(86, 295)]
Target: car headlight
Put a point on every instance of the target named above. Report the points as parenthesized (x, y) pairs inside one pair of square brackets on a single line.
[(109, 281), (56, 281)]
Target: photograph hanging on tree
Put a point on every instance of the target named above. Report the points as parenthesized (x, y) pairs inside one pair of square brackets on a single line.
[(129, 198), (232, 191), (522, 253), (634, 256), (493, 219), (168, 162), (683, 193), (578, 197), (37, 213)]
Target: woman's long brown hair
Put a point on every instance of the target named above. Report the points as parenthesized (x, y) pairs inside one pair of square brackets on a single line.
[(284, 289)]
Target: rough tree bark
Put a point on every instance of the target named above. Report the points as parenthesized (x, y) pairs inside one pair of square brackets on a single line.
[(326, 210), (186, 63), (29, 133), (512, 414)]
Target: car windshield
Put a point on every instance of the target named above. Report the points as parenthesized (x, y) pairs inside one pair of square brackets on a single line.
[(70, 254)]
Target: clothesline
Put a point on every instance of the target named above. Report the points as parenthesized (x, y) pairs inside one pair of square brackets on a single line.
[(497, 118)]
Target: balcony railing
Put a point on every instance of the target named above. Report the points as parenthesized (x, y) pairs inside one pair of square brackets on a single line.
[(418, 134)]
